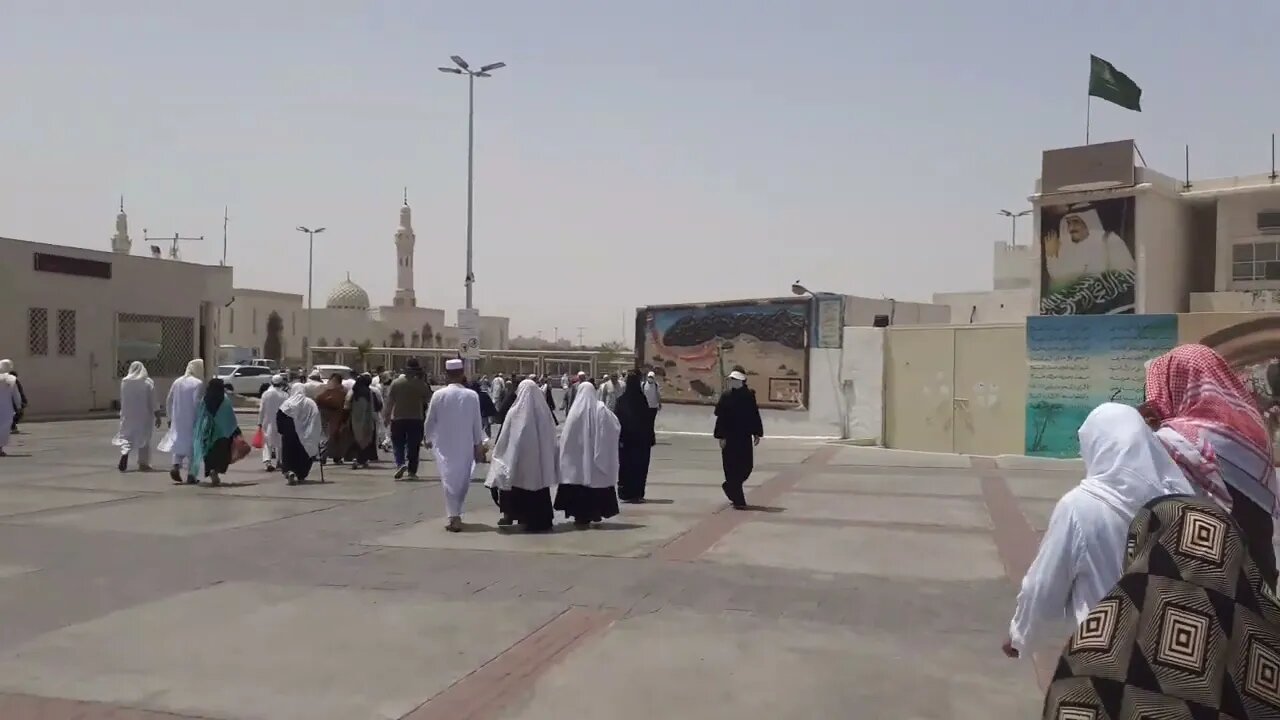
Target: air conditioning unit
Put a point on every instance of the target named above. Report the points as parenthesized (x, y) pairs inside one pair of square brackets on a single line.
[(1269, 222)]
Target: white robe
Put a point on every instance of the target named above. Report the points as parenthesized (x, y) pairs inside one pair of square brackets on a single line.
[(272, 399), (183, 407), (525, 455), (454, 430), (137, 412), (1082, 554), (589, 442), (306, 418), (10, 401)]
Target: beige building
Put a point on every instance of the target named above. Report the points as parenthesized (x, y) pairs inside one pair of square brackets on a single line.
[(73, 319), (1011, 298)]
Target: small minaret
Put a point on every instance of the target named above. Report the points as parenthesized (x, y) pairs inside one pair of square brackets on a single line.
[(404, 258), (120, 242)]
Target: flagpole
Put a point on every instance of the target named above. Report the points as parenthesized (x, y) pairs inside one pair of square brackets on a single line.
[(1088, 116)]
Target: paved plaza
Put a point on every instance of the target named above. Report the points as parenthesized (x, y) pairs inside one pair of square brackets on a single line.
[(866, 584)]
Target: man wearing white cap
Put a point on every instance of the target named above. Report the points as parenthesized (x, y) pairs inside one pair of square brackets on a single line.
[(270, 404), (456, 434), (738, 428)]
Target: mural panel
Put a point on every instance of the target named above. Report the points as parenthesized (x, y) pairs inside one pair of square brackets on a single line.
[(691, 348), (1078, 363), (1086, 258)]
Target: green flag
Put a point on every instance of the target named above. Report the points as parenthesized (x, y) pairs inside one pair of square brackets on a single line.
[(1108, 83)]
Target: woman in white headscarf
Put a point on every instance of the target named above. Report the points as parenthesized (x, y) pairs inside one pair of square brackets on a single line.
[(138, 417), (1082, 553), (183, 406), (525, 465), (298, 422), (10, 401), (588, 460)]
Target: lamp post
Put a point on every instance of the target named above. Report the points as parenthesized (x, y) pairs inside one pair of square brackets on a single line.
[(485, 71), (1013, 222), (311, 256)]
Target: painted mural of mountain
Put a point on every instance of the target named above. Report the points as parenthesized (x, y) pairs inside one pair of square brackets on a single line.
[(783, 327)]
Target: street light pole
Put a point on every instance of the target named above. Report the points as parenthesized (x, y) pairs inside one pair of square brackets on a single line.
[(485, 71), (1013, 222), (311, 257)]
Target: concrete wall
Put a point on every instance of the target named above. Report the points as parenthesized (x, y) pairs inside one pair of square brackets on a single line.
[(1236, 301), (1014, 266), (861, 312), (244, 322), (1163, 241), (87, 379), (991, 306), (862, 384)]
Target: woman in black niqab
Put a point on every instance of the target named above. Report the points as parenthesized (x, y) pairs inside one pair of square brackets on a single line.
[(636, 440)]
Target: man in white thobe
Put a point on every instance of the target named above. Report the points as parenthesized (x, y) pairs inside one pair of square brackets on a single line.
[(10, 401), (183, 406), (454, 430), (138, 417), (272, 399), (314, 385), (609, 392)]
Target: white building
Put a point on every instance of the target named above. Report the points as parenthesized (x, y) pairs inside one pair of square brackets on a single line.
[(275, 325), (72, 319), (1011, 298)]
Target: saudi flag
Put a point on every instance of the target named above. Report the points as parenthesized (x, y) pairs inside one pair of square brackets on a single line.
[(1108, 83)]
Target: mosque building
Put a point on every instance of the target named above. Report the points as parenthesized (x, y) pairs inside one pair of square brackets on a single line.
[(274, 324)]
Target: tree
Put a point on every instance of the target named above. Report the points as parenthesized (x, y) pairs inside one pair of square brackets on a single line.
[(427, 333), (339, 342), (414, 339), (362, 351), (322, 342), (397, 339), (439, 339), (273, 349)]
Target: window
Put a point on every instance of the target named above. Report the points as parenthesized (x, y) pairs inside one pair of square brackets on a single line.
[(253, 328), (1269, 222), (1255, 261), (231, 324), (66, 332), (37, 331), (163, 344), (293, 323)]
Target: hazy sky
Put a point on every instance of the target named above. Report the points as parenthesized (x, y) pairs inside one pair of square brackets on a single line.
[(631, 153)]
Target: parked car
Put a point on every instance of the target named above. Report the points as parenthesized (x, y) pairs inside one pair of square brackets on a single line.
[(327, 370), (272, 365), (246, 380)]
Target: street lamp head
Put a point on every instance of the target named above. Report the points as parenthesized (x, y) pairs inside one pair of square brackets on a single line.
[(481, 74), (457, 60), (1024, 212), (492, 66), (798, 289), (302, 229), (319, 230), (1005, 213), (455, 71)]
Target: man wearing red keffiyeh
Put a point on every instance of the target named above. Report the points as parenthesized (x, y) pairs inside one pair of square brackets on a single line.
[(1209, 423)]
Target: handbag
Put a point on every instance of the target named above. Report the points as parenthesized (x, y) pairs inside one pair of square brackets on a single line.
[(259, 439), (239, 448)]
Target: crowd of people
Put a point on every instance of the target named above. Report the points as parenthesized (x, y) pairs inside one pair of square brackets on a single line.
[(1164, 556), (596, 458)]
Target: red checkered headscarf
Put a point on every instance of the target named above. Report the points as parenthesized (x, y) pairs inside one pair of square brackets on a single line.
[(1192, 387)]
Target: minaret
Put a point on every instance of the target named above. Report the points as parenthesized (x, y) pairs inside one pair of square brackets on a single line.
[(120, 242), (404, 258)]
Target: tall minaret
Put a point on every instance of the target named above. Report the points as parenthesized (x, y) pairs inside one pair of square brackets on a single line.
[(120, 241), (404, 258)]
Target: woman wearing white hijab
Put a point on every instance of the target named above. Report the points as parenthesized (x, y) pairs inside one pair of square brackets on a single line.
[(298, 423), (588, 460), (10, 401), (138, 417), (1082, 553), (183, 406), (525, 464)]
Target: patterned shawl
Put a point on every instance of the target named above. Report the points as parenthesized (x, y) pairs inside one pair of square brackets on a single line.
[(1204, 410)]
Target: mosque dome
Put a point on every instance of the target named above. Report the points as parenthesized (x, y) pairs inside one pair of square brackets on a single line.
[(348, 296)]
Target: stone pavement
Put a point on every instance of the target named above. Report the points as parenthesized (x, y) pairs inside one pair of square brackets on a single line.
[(869, 583)]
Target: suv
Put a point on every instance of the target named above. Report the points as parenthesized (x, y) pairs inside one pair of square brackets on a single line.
[(248, 380)]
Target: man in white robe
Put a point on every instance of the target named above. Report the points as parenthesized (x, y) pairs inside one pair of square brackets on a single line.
[(270, 404), (1082, 553), (609, 392), (139, 417), (183, 406), (10, 401), (454, 430), (314, 385)]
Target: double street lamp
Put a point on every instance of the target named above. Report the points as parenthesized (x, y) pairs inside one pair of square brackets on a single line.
[(1013, 221), (311, 256), (463, 68)]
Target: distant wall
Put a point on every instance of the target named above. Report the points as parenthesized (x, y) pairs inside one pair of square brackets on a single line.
[(862, 384), (1164, 249), (861, 312), (990, 306)]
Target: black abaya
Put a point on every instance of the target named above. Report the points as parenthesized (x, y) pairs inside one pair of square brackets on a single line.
[(636, 440), (293, 456)]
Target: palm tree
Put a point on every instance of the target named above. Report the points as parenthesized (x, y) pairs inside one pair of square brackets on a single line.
[(362, 351), (427, 334), (273, 348), (414, 339), (439, 339), (397, 339)]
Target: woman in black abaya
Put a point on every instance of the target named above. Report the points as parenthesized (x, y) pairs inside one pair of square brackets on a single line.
[(636, 442)]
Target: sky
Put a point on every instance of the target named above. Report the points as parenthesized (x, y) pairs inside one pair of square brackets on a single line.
[(630, 154)]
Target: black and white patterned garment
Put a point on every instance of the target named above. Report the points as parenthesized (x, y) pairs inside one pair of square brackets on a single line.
[(1108, 293), (1190, 631)]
